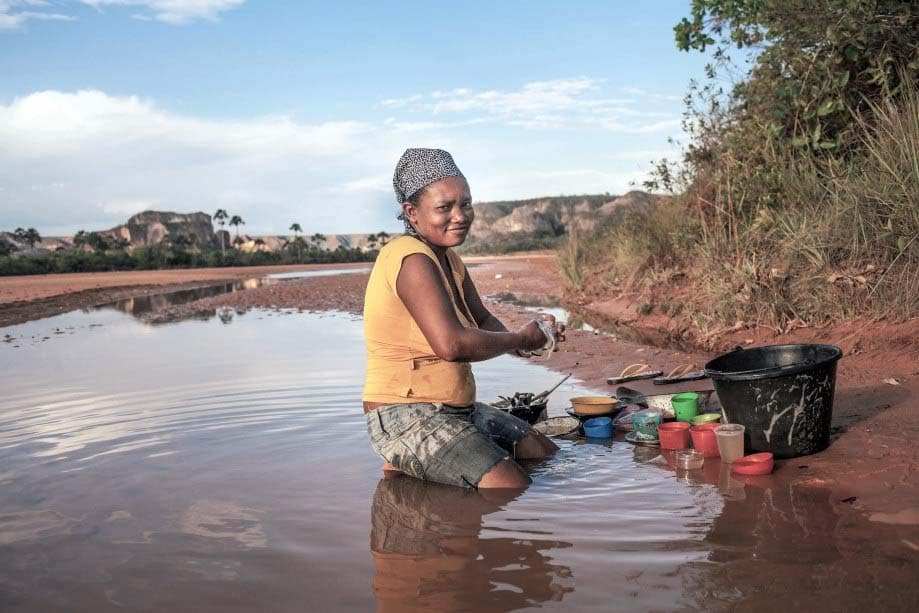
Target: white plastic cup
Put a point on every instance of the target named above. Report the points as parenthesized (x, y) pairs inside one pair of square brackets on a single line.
[(730, 442)]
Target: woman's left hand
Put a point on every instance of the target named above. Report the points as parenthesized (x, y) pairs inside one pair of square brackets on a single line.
[(558, 327)]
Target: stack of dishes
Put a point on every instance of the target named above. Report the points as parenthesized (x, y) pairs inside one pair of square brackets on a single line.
[(586, 407)]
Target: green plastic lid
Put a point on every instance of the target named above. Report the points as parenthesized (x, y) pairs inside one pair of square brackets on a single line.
[(705, 418)]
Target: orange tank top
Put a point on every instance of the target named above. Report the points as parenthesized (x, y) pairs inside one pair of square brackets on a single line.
[(401, 366)]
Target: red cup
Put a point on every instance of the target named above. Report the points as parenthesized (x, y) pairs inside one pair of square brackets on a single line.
[(704, 440), (673, 435)]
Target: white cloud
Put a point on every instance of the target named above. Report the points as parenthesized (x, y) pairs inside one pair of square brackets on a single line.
[(14, 13), (127, 208), (87, 159), (375, 183), (536, 183), (400, 102), (113, 153), (543, 105), (176, 12)]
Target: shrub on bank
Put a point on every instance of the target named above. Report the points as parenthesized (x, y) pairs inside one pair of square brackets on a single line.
[(797, 197), (161, 256), (511, 243)]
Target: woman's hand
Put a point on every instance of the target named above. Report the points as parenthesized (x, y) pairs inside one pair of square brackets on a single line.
[(558, 328), (532, 338), (545, 323)]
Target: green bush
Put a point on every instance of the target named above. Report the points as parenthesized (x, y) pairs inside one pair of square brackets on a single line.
[(619, 253), (153, 257), (797, 195), (511, 243)]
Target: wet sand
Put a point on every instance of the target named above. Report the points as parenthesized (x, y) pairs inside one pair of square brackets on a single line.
[(872, 465)]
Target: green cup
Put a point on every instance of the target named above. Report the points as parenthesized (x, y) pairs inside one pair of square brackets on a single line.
[(685, 405)]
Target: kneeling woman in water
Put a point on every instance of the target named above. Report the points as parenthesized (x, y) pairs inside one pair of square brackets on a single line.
[(423, 323)]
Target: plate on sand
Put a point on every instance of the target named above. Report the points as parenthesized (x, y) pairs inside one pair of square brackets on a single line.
[(631, 438), (558, 426)]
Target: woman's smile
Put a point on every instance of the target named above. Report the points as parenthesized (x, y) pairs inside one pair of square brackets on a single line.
[(443, 214)]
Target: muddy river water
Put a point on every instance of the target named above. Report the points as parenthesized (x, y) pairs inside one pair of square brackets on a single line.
[(222, 464)]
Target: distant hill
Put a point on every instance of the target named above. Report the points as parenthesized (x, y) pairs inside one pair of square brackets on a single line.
[(500, 227), (541, 223), (195, 231)]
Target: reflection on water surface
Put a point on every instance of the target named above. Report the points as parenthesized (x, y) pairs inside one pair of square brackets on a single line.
[(550, 305), (202, 467), (142, 305)]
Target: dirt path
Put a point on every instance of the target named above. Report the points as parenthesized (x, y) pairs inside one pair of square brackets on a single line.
[(872, 464)]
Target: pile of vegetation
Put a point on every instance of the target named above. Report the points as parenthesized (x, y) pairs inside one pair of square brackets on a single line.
[(797, 196), (93, 252)]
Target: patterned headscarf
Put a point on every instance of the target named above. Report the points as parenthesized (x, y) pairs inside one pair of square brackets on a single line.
[(418, 168)]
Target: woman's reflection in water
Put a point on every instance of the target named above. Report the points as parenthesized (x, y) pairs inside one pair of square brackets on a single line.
[(428, 554)]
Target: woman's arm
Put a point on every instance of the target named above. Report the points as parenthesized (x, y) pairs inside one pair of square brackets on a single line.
[(487, 321), (422, 292)]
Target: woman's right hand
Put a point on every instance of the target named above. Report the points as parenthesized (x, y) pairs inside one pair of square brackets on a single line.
[(532, 337)]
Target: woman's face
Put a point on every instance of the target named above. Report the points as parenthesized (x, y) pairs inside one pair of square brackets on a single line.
[(444, 212)]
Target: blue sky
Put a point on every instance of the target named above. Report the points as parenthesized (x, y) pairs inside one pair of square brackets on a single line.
[(284, 111)]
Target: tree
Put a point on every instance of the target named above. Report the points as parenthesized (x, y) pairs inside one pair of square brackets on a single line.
[(221, 218), (317, 240), (259, 243), (296, 229), (236, 220), (816, 63), (30, 236), (98, 242), (297, 245), (79, 239), (383, 237)]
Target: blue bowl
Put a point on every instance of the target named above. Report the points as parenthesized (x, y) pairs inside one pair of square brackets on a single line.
[(598, 427)]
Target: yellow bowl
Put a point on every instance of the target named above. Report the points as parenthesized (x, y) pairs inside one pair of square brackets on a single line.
[(593, 405)]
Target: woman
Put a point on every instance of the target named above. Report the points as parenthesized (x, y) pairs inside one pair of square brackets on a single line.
[(423, 323)]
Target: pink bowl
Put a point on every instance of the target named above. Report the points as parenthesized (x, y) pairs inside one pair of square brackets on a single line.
[(756, 464)]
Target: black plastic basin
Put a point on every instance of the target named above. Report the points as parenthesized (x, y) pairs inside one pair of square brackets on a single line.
[(781, 394)]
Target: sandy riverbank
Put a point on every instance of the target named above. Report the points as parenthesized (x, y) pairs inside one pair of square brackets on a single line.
[(23, 298), (872, 464)]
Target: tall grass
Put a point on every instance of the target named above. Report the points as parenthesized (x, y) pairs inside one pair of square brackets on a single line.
[(835, 238), (792, 239), (620, 254), (570, 259)]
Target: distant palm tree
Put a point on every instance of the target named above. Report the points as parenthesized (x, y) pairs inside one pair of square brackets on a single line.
[(295, 228), (317, 239), (221, 218), (236, 220), (383, 237)]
